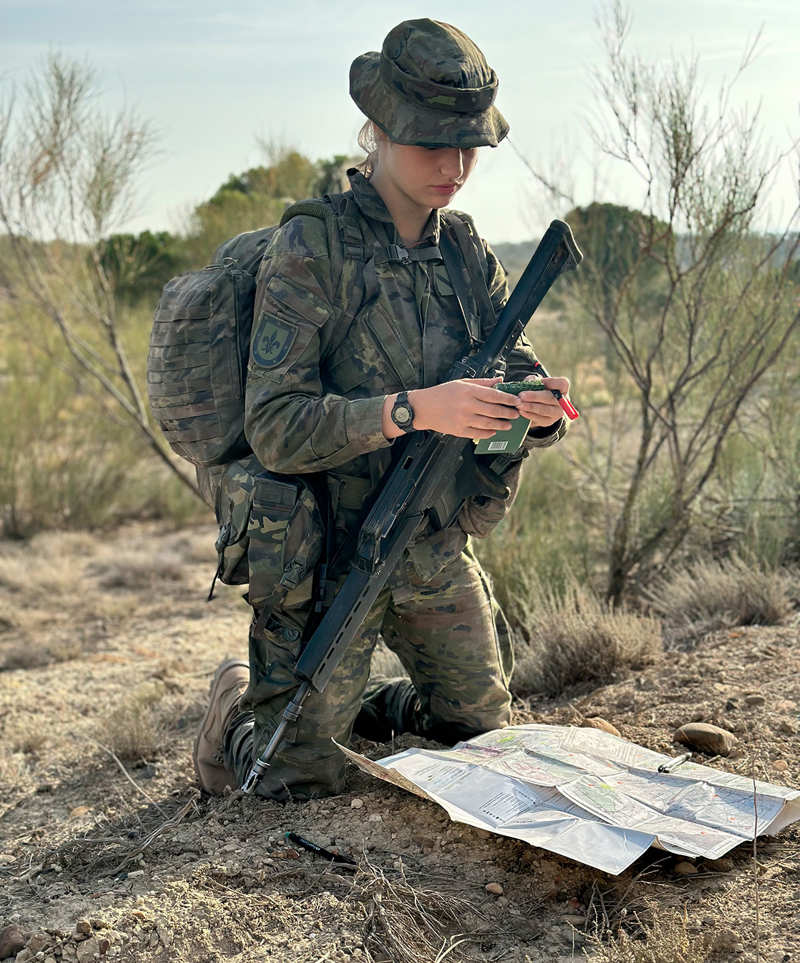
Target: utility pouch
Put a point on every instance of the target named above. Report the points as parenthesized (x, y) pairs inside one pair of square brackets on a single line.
[(270, 531)]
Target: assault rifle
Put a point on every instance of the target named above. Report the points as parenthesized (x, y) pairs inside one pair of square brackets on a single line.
[(427, 461)]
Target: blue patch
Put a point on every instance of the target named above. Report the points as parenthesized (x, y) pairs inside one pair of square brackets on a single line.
[(272, 340)]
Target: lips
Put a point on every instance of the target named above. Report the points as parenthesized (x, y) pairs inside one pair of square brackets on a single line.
[(446, 188)]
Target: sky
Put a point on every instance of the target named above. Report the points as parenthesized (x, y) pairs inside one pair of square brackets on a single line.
[(213, 81)]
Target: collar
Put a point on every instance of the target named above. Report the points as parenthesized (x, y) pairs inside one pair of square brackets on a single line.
[(371, 205)]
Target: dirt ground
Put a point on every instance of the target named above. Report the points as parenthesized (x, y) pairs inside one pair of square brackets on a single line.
[(107, 641)]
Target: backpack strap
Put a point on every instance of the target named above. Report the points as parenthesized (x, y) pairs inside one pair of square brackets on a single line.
[(468, 273), (345, 242)]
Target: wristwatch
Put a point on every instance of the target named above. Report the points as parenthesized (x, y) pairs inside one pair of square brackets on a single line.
[(402, 413)]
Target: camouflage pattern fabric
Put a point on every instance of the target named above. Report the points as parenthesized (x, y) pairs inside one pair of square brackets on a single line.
[(451, 637), (430, 86), (270, 532), (326, 394)]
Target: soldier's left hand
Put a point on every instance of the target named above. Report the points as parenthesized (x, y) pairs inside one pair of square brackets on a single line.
[(541, 407)]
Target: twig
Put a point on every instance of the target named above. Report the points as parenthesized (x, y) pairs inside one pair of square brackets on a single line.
[(130, 779), (151, 838)]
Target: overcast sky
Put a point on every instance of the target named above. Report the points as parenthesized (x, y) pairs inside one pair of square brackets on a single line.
[(212, 81)]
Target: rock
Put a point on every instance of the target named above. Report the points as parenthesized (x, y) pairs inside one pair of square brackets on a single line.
[(23, 956), (104, 943), (573, 919), (597, 722), (706, 738), (684, 868), (37, 942), (375, 818), (780, 765), (356, 803), (84, 927), (87, 950), (495, 888), (12, 939), (787, 728), (754, 699), (723, 865)]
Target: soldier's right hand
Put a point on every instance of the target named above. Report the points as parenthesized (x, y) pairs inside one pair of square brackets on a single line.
[(467, 408)]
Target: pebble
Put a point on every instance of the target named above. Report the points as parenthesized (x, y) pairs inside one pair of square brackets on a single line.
[(706, 738), (12, 939), (37, 942), (781, 765), (375, 818), (787, 728), (357, 803), (685, 868), (495, 888), (754, 699), (597, 722)]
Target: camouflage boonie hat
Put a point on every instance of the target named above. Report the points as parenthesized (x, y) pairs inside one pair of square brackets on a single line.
[(429, 86)]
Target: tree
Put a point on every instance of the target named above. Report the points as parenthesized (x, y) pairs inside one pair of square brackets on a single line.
[(67, 179), (694, 305), (138, 265)]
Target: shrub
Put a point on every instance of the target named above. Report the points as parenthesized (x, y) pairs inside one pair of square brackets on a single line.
[(134, 731), (709, 595), (666, 940), (576, 637)]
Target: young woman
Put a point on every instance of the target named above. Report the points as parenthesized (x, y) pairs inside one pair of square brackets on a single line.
[(329, 389)]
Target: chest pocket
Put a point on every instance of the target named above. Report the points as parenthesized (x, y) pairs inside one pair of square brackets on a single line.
[(382, 350)]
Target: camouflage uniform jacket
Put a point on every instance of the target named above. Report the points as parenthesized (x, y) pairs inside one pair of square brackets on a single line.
[(317, 379)]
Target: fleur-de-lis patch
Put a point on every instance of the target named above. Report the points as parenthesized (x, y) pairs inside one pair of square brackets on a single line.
[(272, 340)]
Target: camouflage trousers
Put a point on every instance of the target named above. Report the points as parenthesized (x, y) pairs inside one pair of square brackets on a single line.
[(447, 630)]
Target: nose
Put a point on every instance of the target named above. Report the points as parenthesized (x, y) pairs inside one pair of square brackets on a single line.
[(452, 165)]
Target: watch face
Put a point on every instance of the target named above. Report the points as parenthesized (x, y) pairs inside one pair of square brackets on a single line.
[(402, 413)]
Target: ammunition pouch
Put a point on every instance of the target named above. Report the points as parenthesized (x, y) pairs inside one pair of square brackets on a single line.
[(271, 532)]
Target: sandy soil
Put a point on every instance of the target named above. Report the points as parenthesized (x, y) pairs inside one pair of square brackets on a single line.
[(107, 645)]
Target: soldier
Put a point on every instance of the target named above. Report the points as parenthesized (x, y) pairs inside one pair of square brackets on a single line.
[(330, 392)]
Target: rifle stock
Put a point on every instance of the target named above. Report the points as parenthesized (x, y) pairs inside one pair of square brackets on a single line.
[(426, 462)]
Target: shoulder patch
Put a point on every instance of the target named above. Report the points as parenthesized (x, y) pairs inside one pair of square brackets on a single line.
[(272, 340)]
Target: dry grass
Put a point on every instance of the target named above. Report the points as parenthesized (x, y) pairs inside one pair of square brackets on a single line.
[(134, 730), (27, 739), (136, 570), (707, 596), (576, 637), (26, 655), (665, 940), (407, 923)]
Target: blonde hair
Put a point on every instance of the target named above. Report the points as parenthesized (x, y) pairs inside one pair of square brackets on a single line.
[(368, 142)]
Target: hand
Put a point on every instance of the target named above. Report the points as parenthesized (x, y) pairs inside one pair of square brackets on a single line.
[(467, 408), (541, 407)]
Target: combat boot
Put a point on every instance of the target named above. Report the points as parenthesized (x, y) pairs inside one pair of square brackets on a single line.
[(229, 682), (388, 708)]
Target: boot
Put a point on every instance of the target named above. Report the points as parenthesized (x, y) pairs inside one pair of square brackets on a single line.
[(229, 682), (388, 708)]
